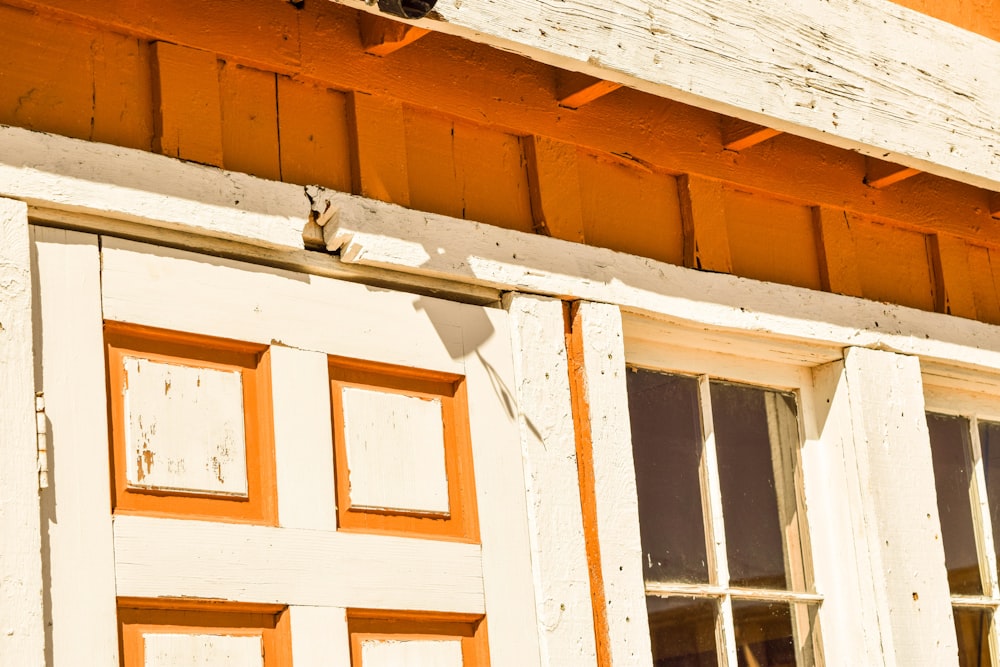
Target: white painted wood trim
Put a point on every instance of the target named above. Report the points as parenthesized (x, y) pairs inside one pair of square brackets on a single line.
[(899, 544), (76, 508), (22, 634), (303, 439), (179, 558), (614, 483), (866, 75), (810, 325), (320, 637), (548, 449)]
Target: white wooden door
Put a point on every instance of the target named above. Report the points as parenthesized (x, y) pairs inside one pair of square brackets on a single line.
[(251, 466)]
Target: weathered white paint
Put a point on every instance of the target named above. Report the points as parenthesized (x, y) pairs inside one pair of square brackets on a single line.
[(411, 652), (22, 637), (388, 236), (548, 450), (184, 291), (319, 636), (76, 508), (303, 439), (866, 75), (395, 451), (184, 428), (165, 557), (201, 650), (901, 607), (599, 327)]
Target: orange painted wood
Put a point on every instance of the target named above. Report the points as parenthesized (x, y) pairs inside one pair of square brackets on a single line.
[(881, 174), (771, 239), (954, 293), (629, 207), (249, 121), (381, 36), (554, 182), (984, 264), (738, 135), (365, 624), (466, 170), (252, 361), (187, 110), (982, 16), (588, 492), (706, 235), (994, 205), (313, 129), (894, 263), (838, 263), (574, 90), (123, 96), (461, 524), (378, 142), (136, 617)]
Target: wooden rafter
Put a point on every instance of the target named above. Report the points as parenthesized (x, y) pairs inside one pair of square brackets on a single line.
[(575, 90), (995, 205), (381, 36), (738, 135), (881, 174)]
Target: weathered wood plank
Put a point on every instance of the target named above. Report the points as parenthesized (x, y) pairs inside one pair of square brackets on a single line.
[(703, 215), (857, 74), (954, 291), (738, 135), (838, 261), (554, 188), (249, 113), (378, 141), (187, 110), (22, 640)]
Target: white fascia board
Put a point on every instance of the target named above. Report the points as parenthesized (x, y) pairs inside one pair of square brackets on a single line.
[(865, 75)]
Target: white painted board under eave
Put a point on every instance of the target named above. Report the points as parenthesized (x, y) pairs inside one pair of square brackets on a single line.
[(866, 75), (201, 650)]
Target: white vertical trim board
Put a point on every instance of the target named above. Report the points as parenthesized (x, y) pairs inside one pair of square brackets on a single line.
[(77, 505), (548, 448), (866, 75), (319, 637), (303, 439), (600, 330), (22, 637)]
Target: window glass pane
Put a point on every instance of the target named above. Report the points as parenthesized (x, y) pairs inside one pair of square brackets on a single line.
[(763, 634), (949, 449), (666, 443), (973, 629), (742, 416), (682, 631), (989, 439)]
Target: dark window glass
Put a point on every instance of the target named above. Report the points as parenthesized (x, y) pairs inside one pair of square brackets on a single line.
[(952, 476), (973, 629), (682, 631), (666, 443), (763, 634), (989, 440)]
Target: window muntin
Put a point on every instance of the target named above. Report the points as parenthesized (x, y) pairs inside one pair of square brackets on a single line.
[(719, 522), (966, 456)]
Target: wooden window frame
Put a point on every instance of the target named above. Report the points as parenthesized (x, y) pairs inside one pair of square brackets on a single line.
[(138, 615), (253, 362), (401, 625), (461, 522)]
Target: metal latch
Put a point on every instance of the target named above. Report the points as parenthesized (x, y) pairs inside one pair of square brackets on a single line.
[(42, 429)]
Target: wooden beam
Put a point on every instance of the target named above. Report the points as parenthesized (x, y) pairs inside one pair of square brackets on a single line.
[(574, 90), (995, 205), (881, 174), (381, 36), (738, 135)]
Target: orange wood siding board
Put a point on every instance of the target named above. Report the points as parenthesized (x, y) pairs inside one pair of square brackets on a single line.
[(365, 624), (881, 174), (574, 90), (954, 292), (378, 142), (986, 289), (461, 523), (249, 121), (894, 264), (554, 186), (187, 109), (588, 493), (123, 97), (199, 617), (314, 136), (628, 208), (703, 213), (252, 361), (771, 239), (838, 263), (381, 36), (994, 205), (738, 135)]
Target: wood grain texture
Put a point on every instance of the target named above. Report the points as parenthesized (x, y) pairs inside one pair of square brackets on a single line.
[(21, 609), (175, 558), (76, 509), (375, 234), (187, 111), (548, 450), (855, 74)]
